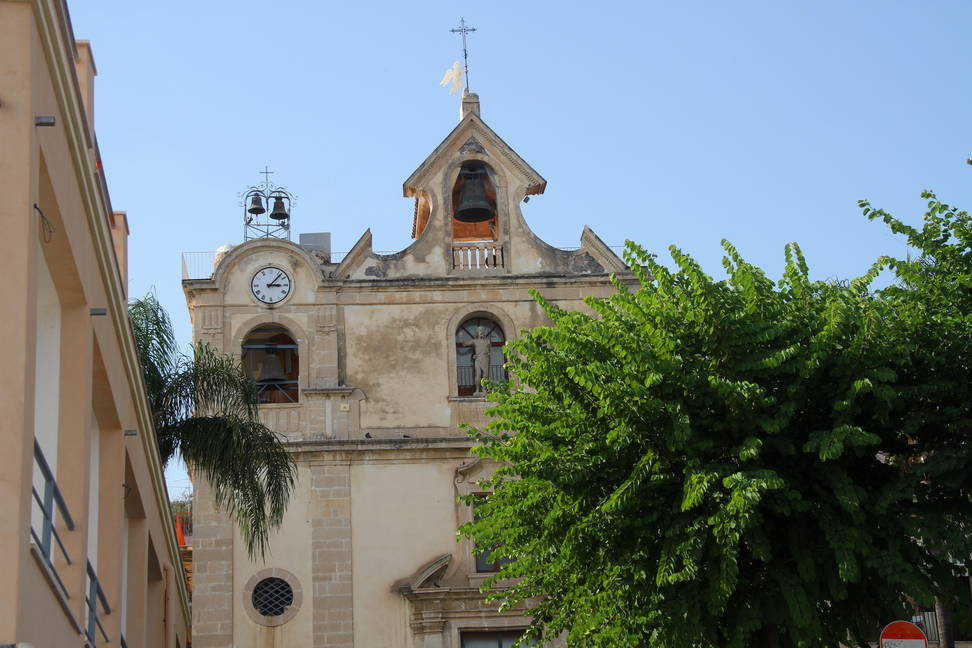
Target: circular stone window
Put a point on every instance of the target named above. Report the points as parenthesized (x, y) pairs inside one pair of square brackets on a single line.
[(272, 597)]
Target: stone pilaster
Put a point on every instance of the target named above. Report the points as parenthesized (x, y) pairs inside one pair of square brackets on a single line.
[(212, 596), (331, 553)]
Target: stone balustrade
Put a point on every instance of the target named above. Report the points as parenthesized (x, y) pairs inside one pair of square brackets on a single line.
[(477, 256), (284, 419)]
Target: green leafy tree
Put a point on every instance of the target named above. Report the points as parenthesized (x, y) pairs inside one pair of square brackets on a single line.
[(718, 463), (932, 303), (205, 408)]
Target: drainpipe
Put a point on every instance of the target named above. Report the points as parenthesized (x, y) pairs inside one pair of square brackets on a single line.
[(169, 640)]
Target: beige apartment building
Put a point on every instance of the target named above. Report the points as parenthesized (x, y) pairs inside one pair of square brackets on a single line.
[(367, 364), (89, 550)]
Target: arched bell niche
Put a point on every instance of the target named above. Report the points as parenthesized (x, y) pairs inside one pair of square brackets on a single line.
[(276, 378), (474, 203)]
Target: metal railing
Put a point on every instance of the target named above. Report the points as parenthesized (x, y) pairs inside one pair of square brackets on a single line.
[(928, 622), (282, 392), (466, 376), (617, 249), (52, 497), (200, 265), (197, 265), (94, 596)]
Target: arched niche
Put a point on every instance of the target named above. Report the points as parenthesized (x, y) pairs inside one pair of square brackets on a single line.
[(270, 356), (479, 335), (495, 187), (274, 320), (488, 311), (474, 172)]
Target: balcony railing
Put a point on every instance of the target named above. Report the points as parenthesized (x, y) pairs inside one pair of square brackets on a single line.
[(47, 502), (197, 265), (467, 375), (95, 595), (477, 256)]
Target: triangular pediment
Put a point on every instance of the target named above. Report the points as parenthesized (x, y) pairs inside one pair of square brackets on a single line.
[(472, 145), (473, 136)]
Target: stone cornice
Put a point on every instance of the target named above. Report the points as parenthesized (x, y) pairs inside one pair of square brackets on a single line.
[(345, 451), (423, 284)]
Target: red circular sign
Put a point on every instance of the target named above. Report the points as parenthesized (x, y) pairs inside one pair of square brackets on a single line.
[(902, 634)]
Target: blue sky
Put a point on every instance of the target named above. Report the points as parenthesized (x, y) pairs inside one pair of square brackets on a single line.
[(663, 122)]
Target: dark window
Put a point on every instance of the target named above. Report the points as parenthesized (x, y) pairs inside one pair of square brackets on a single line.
[(276, 379), (465, 364), (485, 562), (493, 639), (272, 596)]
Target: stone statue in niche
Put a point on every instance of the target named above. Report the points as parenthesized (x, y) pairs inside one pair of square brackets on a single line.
[(482, 348)]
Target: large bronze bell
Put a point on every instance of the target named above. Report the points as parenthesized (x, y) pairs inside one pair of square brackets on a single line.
[(272, 373), (256, 205), (473, 205), (279, 210)]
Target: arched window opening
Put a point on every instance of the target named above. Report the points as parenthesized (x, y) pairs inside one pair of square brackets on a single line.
[(474, 195), (270, 357), (479, 354)]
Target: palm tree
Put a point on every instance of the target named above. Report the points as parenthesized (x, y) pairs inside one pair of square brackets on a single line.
[(205, 408), (943, 616)]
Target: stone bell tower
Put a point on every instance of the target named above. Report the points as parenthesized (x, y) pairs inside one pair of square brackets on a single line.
[(378, 359)]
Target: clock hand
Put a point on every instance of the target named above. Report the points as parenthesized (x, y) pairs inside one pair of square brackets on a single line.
[(275, 279)]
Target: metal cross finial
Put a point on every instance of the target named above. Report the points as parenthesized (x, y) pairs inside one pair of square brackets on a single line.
[(465, 55), (266, 174)]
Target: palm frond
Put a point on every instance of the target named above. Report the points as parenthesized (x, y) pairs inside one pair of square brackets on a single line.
[(154, 335), (251, 473), (206, 408), (219, 384)]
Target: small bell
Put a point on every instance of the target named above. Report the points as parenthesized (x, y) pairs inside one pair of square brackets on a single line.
[(272, 373), (256, 205), (279, 210), (473, 205)]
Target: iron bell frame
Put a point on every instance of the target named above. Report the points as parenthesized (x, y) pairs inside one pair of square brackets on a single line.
[(266, 223)]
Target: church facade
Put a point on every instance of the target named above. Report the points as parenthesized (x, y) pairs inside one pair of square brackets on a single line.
[(367, 366)]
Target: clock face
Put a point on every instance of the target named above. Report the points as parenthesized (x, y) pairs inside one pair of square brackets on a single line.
[(270, 285)]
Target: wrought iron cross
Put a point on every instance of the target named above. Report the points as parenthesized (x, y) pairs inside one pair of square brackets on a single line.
[(465, 55), (266, 175)]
